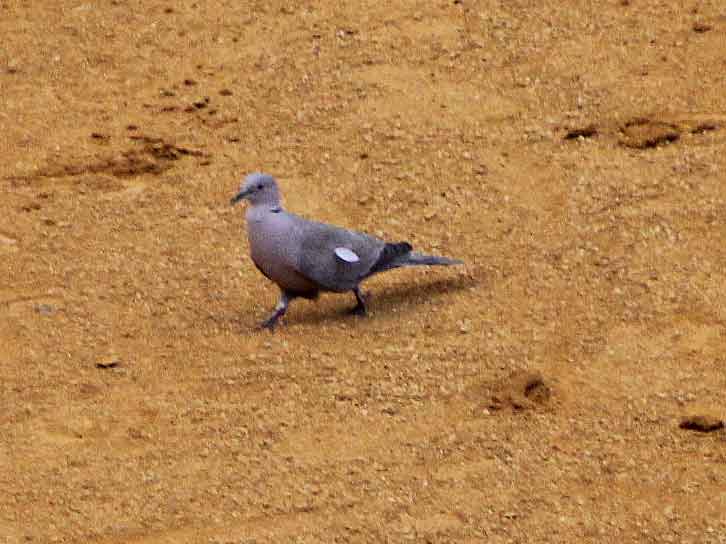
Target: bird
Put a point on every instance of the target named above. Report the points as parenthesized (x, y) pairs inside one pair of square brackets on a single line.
[(305, 258)]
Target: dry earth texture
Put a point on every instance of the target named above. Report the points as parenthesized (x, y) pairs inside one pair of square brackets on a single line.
[(573, 153)]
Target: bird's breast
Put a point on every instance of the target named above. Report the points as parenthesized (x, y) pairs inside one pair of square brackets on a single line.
[(274, 250)]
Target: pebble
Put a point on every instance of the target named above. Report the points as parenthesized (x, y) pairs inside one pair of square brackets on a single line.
[(114, 363), (701, 423), (4, 240), (44, 309), (701, 27)]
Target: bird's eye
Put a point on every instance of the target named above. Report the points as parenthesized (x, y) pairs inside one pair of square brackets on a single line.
[(259, 186)]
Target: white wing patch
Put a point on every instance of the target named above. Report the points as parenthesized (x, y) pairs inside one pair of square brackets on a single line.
[(346, 255)]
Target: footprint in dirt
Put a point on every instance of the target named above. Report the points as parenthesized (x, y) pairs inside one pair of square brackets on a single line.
[(522, 390), (643, 133)]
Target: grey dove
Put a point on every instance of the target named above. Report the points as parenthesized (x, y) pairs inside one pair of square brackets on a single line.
[(305, 257)]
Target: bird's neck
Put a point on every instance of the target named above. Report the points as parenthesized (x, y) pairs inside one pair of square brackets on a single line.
[(270, 205), (258, 211), (269, 199)]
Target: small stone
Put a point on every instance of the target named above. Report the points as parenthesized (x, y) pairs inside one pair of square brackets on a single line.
[(4, 240), (44, 309), (199, 104), (701, 423), (701, 27), (346, 394), (582, 132), (114, 363)]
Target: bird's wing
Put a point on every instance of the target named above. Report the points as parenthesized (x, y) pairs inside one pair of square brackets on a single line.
[(346, 255), (334, 258)]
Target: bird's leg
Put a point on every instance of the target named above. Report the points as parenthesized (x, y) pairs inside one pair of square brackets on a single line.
[(280, 310), (360, 308)]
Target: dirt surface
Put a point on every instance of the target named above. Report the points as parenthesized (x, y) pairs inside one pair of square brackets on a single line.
[(572, 153)]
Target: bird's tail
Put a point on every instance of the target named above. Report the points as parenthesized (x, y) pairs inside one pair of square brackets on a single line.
[(401, 254), (421, 259)]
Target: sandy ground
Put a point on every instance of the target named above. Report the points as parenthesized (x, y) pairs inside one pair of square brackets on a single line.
[(573, 153)]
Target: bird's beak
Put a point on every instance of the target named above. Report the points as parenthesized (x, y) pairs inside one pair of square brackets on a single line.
[(239, 196)]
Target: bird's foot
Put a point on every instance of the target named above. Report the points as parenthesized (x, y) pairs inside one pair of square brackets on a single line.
[(360, 310), (270, 323), (280, 310), (360, 297)]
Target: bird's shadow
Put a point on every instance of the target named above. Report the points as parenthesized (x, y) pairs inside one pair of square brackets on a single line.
[(380, 300)]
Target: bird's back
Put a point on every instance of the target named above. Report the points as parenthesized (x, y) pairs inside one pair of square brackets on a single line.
[(319, 261)]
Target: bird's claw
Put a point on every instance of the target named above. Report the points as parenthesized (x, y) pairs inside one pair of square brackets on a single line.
[(269, 324), (359, 310)]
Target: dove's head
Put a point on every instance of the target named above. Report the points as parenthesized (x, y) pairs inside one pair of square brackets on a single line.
[(258, 188)]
